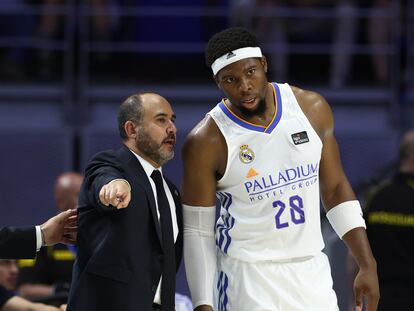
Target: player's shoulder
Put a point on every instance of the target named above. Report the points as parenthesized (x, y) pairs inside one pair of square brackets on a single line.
[(205, 142), (316, 109), (206, 132), (308, 99)]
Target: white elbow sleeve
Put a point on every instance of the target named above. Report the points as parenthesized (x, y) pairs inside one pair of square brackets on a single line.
[(345, 217), (200, 252)]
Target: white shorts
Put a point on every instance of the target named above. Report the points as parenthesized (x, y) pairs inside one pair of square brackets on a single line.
[(304, 285)]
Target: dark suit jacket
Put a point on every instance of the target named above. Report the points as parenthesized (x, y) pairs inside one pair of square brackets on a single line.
[(4, 296), (17, 243), (119, 259)]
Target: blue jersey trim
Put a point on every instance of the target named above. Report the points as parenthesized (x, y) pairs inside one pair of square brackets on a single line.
[(250, 126), (223, 240), (240, 121), (222, 285), (278, 116)]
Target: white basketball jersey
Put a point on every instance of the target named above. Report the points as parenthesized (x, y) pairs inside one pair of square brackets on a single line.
[(269, 193)]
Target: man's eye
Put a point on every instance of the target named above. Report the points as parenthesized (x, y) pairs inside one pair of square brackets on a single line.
[(251, 71)]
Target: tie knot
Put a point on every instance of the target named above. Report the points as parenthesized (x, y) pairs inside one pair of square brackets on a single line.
[(156, 177)]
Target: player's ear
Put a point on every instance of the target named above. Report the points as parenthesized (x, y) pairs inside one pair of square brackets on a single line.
[(263, 60), (217, 81)]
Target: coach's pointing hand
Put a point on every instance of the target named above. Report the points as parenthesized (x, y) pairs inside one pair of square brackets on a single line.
[(116, 193)]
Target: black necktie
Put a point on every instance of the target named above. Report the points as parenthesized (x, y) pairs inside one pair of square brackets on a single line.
[(168, 272)]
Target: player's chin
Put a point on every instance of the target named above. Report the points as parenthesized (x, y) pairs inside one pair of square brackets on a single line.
[(250, 105)]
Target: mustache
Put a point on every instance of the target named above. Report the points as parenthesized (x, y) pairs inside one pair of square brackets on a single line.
[(170, 137)]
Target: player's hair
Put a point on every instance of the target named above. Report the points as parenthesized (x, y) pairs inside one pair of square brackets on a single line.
[(229, 40), (130, 110)]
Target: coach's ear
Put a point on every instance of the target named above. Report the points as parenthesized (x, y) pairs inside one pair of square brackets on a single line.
[(130, 129)]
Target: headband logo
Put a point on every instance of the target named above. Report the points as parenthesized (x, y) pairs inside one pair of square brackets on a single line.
[(234, 56), (230, 55)]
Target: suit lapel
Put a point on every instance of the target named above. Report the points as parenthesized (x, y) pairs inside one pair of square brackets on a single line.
[(140, 177), (176, 198), (178, 213)]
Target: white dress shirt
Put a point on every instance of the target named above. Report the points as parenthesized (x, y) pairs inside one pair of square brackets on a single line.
[(148, 168)]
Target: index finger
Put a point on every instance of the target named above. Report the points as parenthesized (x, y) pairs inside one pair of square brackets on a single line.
[(122, 204), (73, 213), (102, 196)]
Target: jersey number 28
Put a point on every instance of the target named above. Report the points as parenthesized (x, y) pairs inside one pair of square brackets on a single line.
[(297, 213)]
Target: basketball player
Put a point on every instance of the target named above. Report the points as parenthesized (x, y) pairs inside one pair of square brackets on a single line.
[(266, 150)]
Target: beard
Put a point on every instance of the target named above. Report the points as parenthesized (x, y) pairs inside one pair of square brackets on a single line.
[(260, 109), (151, 148)]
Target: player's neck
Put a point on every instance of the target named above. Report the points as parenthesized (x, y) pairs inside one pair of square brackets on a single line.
[(265, 115)]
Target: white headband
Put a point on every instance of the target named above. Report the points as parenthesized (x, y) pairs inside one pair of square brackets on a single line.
[(235, 56)]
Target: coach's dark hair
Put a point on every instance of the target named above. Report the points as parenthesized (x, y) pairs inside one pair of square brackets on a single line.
[(229, 40), (130, 110)]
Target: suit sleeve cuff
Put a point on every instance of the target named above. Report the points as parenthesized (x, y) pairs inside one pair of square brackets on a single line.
[(39, 240)]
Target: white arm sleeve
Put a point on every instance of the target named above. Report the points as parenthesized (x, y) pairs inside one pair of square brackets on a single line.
[(200, 252)]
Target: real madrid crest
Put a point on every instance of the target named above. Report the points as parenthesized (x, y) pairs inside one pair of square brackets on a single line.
[(246, 155)]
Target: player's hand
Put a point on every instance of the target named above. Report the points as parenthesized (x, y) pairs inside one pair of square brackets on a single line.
[(366, 285), (116, 193)]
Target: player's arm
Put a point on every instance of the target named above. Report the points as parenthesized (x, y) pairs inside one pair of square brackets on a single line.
[(201, 157), (200, 153), (343, 210), (334, 185)]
